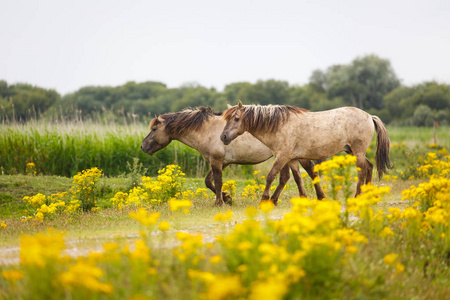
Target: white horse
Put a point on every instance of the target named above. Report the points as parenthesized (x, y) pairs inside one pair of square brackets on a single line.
[(295, 133), (200, 129)]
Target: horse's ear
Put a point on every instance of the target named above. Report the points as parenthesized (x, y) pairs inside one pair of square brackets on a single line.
[(228, 105), (240, 104), (159, 119)]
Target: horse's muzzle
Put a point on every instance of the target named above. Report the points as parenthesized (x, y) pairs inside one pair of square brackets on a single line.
[(148, 151), (225, 139)]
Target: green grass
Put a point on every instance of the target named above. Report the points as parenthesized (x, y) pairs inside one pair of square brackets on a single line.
[(67, 148), (419, 137)]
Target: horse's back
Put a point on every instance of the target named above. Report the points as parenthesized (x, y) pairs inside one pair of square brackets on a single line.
[(318, 135)]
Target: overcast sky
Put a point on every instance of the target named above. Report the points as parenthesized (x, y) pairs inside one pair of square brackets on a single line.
[(65, 45)]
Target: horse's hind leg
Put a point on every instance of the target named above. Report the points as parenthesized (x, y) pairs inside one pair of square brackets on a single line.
[(209, 182), (309, 168), (369, 171), (297, 178), (217, 174), (362, 172)]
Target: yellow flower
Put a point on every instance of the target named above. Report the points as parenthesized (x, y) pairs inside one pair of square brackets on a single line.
[(389, 259), (245, 245), (386, 232), (215, 259), (224, 287), (242, 268), (40, 249), (85, 275), (206, 277), (251, 212), (399, 268), (144, 218), (164, 226), (316, 180), (272, 289), (223, 217), (351, 249), (266, 206), (175, 204), (3, 224), (12, 275), (229, 186), (141, 251)]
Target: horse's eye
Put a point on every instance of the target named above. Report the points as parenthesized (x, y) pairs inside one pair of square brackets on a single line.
[(236, 119), (154, 129)]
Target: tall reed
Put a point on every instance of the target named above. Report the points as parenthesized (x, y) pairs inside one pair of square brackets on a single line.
[(66, 149)]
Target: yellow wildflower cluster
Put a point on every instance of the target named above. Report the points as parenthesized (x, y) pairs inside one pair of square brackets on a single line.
[(430, 200), (83, 187), (190, 250), (337, 174), (316, 244), (230, 187), (175, 205), (362, 205), (41, 249), (435, 167), (203, 193), (253, 190), (143, 217), (31, 168), (55, 204), (168, 184), (223, 217), (85, 275), (273, 259)]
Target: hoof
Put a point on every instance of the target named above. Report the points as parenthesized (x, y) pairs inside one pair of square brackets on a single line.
[(218, 203), (228, 200), (268, 201), (275, 202)]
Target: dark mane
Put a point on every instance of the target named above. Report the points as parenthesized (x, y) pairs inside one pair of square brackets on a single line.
[(263, 118), (187, 120)]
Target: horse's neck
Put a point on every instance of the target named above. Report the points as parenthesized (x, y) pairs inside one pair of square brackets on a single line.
[(198, 139), (190, 139), (264, 137)]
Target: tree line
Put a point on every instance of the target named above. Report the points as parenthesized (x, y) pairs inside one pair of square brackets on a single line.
[(368, 82)]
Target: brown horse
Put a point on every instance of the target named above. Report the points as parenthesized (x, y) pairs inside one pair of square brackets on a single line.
[(295, 133), (200, 129)]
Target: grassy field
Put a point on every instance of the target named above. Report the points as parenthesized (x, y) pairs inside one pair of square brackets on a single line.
[(375, 247), (65, 149)]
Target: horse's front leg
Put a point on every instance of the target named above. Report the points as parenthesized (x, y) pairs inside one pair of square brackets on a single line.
[(277, 166), (284, 178)]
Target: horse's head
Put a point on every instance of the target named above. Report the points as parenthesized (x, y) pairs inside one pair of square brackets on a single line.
[(234, 126), (157, 139)]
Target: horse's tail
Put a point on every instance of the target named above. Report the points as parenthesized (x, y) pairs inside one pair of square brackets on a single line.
[(383, 147)]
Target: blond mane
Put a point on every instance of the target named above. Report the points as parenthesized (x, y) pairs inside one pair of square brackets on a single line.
[(263, 118), (185, 120)]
